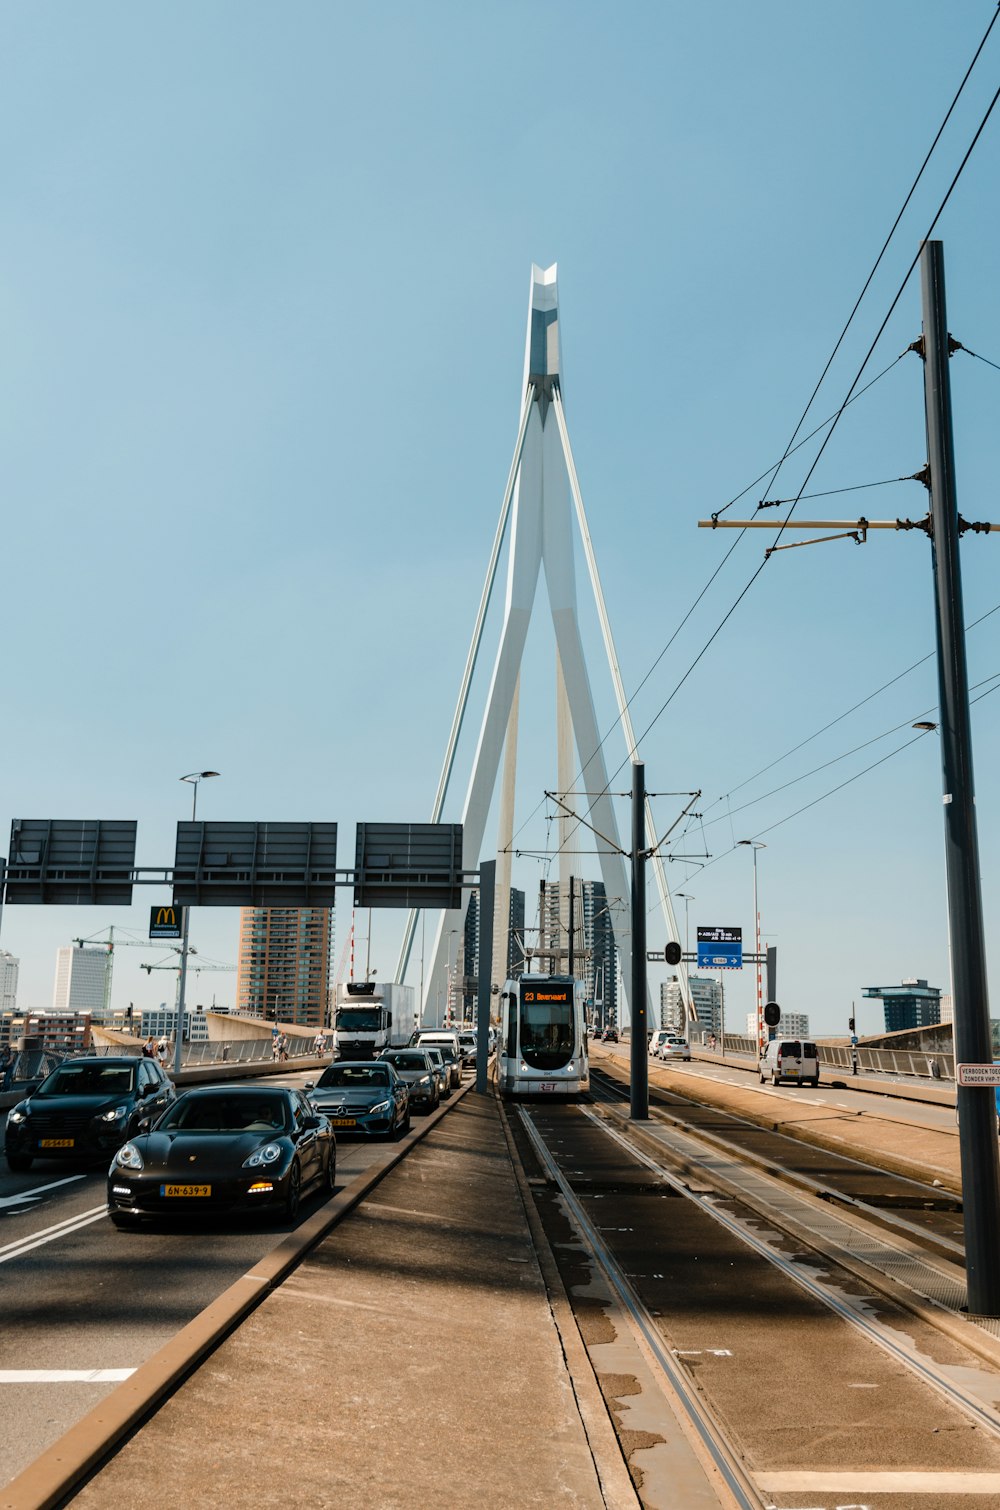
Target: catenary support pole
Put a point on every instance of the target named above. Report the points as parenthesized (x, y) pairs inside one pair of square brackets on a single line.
[(639, 1098), (980, 1164), (487, 887)]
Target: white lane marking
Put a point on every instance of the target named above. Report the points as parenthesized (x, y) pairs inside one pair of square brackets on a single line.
[(32, 1195), (875, 1481), (50, 1234), (65, 1375)]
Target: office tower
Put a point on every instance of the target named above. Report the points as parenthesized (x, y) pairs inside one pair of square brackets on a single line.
[(82, 978), (912, 1004), (467, 966)]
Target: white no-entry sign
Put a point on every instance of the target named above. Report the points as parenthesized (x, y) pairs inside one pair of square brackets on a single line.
[(978, 1074)]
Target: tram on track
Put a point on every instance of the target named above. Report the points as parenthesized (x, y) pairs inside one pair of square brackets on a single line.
[(542, 1049)]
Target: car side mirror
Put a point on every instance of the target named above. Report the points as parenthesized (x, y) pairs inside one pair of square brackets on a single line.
[(311, 1123), (310, 1085)]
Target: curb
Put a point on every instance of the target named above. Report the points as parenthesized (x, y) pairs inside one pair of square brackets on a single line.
[(605, 1449), (60, 1469)]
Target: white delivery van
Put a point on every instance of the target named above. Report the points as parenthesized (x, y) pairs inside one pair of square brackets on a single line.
[(791, 1059)]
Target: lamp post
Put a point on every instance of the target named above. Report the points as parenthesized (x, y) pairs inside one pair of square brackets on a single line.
[(194, 778), (686, 899), (755, 845)]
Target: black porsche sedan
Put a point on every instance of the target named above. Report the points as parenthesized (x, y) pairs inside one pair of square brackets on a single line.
[(229, 1148), (363, 1096), (85, 1109)]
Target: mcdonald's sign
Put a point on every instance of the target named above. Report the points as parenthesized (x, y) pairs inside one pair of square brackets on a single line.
[(165, 922)]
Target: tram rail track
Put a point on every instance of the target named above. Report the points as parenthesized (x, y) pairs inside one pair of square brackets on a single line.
[(626, 1175), (926, 1213)]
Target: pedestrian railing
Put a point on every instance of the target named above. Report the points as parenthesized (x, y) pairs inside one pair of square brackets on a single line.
[(927, 1066)]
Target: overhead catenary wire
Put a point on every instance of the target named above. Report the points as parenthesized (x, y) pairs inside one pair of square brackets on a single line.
[(829, 435), (835, 419), (725, 796), (779, 823)]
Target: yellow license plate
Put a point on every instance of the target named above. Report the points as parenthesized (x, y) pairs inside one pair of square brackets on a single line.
[(343, 1121), (185, 1190), (57, 1143)]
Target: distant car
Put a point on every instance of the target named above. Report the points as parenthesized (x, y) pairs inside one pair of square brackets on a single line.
[(228, 1148), (654, 1043), (453, 1061), (363, 1096), (790, 1059), (467, 1043), (414, 1067), (610, 1035), (674, 1047), (85, 1109), (441, 1069)]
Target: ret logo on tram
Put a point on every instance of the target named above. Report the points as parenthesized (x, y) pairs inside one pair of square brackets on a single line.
[(543, 1037)]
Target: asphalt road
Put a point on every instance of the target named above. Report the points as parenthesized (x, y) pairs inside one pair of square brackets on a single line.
[(80, 1297), (893, 1108)]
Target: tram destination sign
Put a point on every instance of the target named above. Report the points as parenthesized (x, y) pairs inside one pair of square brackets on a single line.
[(978, 1074), (720, 948)]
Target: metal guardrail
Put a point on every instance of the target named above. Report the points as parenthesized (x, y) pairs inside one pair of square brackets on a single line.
[(926, 1066), (31, 1065)]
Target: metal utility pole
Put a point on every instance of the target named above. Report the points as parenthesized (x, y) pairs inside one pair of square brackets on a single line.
[(639, 1096), (980, 1163), (572, 921), (487, 888)]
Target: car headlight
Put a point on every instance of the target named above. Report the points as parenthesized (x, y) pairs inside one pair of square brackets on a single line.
[(129, 1157), (425, 1080), (116, 1114), (270, 1153), (383, 1106), (15, 1116)]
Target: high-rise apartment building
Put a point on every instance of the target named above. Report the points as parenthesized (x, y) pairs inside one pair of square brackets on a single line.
[(789, 1025), (467, 966), (283, 968), (595, 956), (706, 995), (8, 981), (81, 980)]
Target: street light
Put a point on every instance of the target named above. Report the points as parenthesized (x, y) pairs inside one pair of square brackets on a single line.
[(194, 778), (686, 899), (755, 845)]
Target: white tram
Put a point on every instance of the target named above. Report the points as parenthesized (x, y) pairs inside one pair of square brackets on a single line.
[(543, 1037)]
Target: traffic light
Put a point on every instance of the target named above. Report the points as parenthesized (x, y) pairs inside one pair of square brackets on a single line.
[(772, 1014), (850, 1024), (672, 953)]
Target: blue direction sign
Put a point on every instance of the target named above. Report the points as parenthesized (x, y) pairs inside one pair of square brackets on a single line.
[(720, 948)]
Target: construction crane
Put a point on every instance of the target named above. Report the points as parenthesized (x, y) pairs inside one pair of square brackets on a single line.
[(192, 969), (110, 944)]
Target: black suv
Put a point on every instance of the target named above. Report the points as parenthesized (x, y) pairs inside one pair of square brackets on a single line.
[(86, 1109)]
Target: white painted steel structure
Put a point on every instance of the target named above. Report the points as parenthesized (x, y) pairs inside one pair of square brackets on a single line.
[(541, 487)]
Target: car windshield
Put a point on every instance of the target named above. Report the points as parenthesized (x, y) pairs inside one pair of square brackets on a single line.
[(345, 1076), (359, 1019), (409, 1061), (435, 1055), (226, 1113), (88, 1080), (447, 1051)]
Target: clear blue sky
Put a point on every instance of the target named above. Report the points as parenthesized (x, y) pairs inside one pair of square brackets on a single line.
[(264, 287)]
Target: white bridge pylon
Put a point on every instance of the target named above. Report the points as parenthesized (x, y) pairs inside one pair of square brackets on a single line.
[(541, 486)]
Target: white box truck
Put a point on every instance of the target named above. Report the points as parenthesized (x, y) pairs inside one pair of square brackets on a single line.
[(371, 1016)]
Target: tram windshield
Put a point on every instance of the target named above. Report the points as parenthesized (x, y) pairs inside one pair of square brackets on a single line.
[(547, 1026)]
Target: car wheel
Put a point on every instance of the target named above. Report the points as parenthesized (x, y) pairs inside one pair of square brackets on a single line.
[(762, 1079), (774, 1078), (330, 1174), (19, 1163), (290, 1208)]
